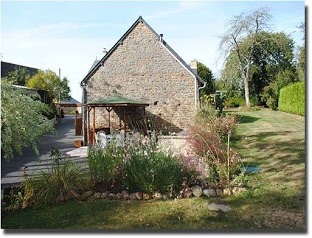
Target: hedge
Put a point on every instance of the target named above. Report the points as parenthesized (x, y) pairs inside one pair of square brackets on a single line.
[(292, 99)]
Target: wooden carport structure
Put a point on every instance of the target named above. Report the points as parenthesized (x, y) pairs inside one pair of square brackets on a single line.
[(109, 103)]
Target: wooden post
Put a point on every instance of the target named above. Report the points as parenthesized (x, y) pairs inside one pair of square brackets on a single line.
[(93, 138), (88, 125), (125, 122), (109, 119)]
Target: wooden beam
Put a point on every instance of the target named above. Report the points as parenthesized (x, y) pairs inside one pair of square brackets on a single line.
[(93, 138), (125, 128)]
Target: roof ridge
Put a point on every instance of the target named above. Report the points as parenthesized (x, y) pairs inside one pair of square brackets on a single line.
[(139, 20)]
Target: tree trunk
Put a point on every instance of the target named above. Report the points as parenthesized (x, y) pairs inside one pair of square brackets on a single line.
[(246, 87)]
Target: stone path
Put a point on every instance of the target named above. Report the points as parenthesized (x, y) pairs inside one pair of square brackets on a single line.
[(12, 173)]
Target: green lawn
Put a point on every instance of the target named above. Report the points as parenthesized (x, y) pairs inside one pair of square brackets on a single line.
[(274, 141)]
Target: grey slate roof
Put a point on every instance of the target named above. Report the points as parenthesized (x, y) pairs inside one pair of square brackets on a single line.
[(97, 63), (7, 67)]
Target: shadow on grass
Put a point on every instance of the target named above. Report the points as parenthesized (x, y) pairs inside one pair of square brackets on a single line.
[(279, 154), (253, 209), (247, 119)]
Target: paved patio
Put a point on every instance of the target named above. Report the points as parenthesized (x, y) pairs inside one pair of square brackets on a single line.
[(12, 173)]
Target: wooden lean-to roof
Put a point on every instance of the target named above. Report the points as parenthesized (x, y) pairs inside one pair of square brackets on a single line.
[(116, 101)]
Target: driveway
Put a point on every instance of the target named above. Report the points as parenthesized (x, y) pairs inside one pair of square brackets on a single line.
[(12, 173)]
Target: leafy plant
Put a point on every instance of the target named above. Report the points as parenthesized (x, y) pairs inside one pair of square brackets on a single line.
[(22, 121), (209, 138), (106, 165), (12, 199), (234, 102), (64, 181), (161, 173)]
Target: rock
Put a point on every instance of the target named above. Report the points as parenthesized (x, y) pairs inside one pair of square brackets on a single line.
[(197, 191), (219, 207), (111, 196), (238, 190), (104, 195), (187, 193), (124, 192), (210, 192), (139, 195), (242, 189), (86, 195), (219, 192), (126, 197), (119, 196), (157, 195), (133, 196), (146, 196), (227, 192), (166, 196), (97, 195)]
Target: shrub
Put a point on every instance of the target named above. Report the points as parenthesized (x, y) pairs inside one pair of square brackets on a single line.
[(106, 165), (138, 165), (12, 199), (292, 99), (211, 141), (160, 173), (63, 182), (234, 102), (22, 121), (271, 92)]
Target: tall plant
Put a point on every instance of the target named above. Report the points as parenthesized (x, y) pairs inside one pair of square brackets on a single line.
[(209, 138), (65, 180), (22, 121)]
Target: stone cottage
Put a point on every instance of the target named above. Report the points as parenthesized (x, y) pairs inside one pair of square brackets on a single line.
[(142, 67)]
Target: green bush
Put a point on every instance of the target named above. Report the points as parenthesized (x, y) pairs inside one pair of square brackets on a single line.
[(138, 165), (161, 173), (63, 182), (234, 102), (292, 99), (106, 165)]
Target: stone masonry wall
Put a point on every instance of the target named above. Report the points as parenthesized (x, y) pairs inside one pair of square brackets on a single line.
[(142, 69)]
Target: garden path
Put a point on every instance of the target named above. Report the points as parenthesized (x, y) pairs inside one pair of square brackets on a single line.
[(12, 173)]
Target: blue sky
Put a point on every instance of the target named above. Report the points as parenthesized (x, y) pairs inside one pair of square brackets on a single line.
[(70, 35)]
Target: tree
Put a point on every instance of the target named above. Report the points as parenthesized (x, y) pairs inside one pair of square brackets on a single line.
[(48, 80), (237, 30), (205, 73), (301, 55), (22, 121), (271, 56)]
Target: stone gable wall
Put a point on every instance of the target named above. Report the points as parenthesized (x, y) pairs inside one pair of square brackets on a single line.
[(142, 69)]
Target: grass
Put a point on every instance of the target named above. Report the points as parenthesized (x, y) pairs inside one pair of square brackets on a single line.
[(274, 141)]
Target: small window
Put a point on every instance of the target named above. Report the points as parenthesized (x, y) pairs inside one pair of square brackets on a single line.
[(155, 103)]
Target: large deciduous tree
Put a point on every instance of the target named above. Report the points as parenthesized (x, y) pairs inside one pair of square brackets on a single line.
[(272, 66), (48, 80), (237, 30), (301, 55)]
